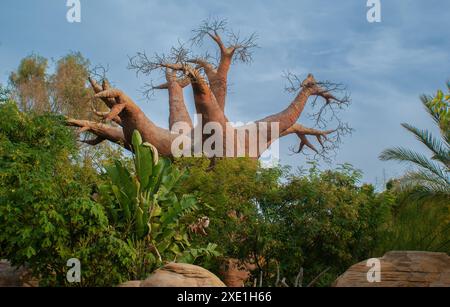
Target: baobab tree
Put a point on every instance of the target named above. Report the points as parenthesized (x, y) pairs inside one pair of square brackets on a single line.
[(208, 78)]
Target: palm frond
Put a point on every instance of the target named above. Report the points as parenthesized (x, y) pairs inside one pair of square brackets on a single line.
[(423, 185), (441, 153), (406, 155), (425, 179), (426, 101)]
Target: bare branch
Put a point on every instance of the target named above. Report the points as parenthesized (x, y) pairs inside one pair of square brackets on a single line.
[(176, 59), (277, 281), (284, 283), (325, 112), (316, 279), (243, 47), (329, 140), (99, 72), (94, 141), (237, 45), (203, 63), (299, 278), (177, 107), (209, 27), (110, 102), (327, 90)]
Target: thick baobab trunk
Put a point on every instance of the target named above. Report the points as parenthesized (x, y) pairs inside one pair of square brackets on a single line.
[(177, 108), (129, 117), (209, 87)]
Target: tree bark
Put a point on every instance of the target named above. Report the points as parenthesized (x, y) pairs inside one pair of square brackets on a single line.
[(209, 87)]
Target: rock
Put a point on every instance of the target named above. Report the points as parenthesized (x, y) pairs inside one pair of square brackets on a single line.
[(15, 277), (182, 275), (130, 284), (402, 269)]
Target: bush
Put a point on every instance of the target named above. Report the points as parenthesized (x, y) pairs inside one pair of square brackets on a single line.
[(227, 195), (46, 213), (314, 220), (323, 220), (416, 225)]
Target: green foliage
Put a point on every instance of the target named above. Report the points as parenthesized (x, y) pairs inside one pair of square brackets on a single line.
[(64, 92), (46, 213), (227, 194), (68, 92), (29, 84), (320, 220), (416, 226), (421, 220), (125, 218), (143, 206), (438, 107), (431, 180), (33, 66), (314, 220)]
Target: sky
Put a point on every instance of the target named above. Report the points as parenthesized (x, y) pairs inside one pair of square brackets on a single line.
[(386, 66)]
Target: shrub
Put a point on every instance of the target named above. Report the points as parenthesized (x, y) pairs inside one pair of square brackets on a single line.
[(46, 213), (416, 225), (320, 220)]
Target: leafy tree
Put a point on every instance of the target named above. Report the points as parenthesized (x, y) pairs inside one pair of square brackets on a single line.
[(62, 92), (47, 215), (68, 92), (227, 195), (322, 220), (312, 220), (431, 180), (30, 85)]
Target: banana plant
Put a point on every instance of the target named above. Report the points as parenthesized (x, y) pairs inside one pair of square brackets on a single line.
[(142, 204)]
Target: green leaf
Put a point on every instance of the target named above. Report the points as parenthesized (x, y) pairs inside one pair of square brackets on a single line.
[(30, 252), (163, 245), (143, 160), (139, 223), (124, 203)]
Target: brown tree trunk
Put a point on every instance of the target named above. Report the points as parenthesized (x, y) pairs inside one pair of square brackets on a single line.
[(209, 86)]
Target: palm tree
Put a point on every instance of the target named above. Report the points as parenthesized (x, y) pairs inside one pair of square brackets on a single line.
[(431, 178)]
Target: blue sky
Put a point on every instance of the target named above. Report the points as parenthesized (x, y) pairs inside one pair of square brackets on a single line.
[(386, 66)]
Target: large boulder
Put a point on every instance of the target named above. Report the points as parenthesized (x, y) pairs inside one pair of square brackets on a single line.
[(401, 269), (131, 284), (178, 275), (15, 277)]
